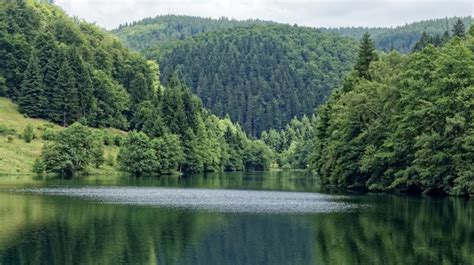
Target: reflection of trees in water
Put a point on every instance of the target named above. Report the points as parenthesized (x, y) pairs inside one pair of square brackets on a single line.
[(65, 231), (72, 231), (394, 230), (250, 239), (399, 230)]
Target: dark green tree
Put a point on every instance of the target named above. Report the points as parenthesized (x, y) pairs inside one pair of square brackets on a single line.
[(424, 41), (31, 100), (137, 155), (68, 109), (72, 151), (459, 29), (169, 152), (366, 55)]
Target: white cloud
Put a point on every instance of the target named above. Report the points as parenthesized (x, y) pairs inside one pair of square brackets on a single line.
[(111, 13)]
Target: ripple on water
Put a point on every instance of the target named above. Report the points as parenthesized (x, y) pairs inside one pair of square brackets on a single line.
[(234, 201)]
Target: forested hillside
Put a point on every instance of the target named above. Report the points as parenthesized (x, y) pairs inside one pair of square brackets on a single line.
[(403, 38), (148, 32), (265, 75), (67, 71), (262, 76), (405, 123)]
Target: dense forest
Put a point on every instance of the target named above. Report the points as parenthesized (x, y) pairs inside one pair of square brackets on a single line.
[(403, 38), (405, 123), (68, 71), (277, 72), (147, 32), (261, 76)]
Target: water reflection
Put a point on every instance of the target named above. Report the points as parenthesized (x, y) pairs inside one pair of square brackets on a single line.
[(39, 229)]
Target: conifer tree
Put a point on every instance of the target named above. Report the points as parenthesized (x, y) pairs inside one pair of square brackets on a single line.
[(67, 88), (366, 55), (31, 99), (424, 41), (445, 37), (51, 88), (83, 79), (459, 29)]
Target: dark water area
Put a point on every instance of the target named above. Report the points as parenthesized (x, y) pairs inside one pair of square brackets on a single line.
[(229, 218)]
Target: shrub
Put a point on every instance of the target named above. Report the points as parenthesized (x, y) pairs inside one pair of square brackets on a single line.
[(118, 140), (5, 130), (10, 138), (72, 152), (110, 160), (39, 167), (49, 135), (108, 139), (28, 133)]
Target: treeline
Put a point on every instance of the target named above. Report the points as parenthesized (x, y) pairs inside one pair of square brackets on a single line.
[(261, 76), (148, 32), (438, 40), (405, 123), (292, 145), (68, 71), (403, 38)]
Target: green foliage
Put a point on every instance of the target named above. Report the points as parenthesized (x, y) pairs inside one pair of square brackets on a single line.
[(404, 38), (169, 152), (261, 75), (293, 145), (409, 129), (28, 133), (97, 154), (137, 155), (110, 160), (257, 156), (66, 70), (5, 130), (149, 31), (72, 152), (31, 98), (39, 167), (366, 55), (426, 40), (49, 134), (459, 30)]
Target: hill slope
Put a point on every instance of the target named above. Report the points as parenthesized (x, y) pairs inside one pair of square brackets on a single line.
[(262, 76), (402, 38), (64, 70), (17, 156), (148, 32)]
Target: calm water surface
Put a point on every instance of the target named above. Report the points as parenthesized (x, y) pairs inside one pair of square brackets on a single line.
[(232, 218)]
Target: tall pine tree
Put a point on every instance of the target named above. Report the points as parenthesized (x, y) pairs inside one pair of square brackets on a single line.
[(51, 88), (67, 88), (366, 55), (459, 29), (31, 99)]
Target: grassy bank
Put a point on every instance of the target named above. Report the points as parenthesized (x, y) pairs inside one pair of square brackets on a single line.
[(18, 156)]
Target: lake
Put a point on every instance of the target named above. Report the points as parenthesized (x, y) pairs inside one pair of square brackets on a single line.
[(227, 218)]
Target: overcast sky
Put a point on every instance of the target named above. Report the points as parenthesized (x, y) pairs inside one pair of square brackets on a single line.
[(111, 13)]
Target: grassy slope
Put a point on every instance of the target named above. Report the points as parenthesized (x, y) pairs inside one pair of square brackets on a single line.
[(17, 157)]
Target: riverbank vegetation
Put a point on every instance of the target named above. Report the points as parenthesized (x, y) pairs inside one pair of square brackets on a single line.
[(68, 72), (406, 124)]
